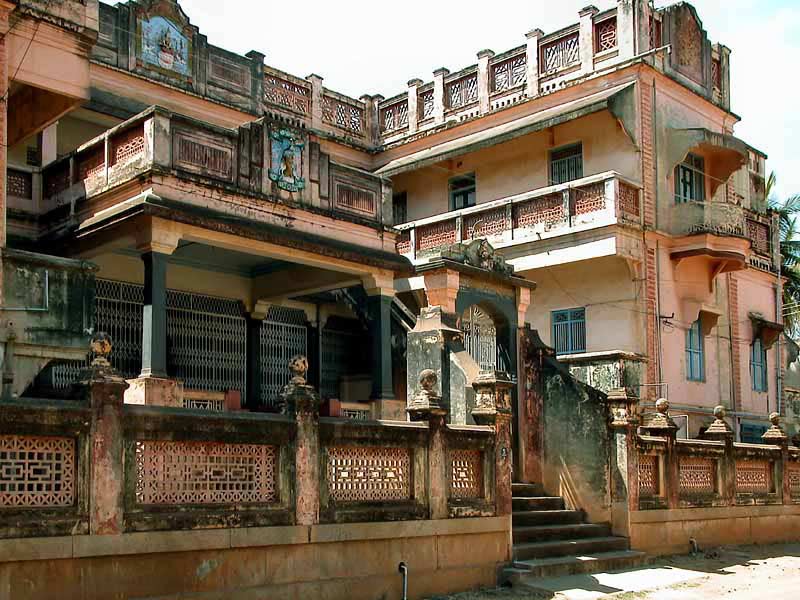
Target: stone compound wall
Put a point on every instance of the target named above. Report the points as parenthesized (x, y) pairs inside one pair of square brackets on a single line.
[(99, 499)]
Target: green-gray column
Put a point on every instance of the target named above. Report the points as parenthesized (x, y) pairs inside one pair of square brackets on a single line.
[(380, 314), (154, 315)]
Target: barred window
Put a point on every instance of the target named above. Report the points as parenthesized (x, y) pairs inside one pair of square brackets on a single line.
[(566, 164), (695, 361), (690, 180), (569, 330), (758, 365), (462, 191)]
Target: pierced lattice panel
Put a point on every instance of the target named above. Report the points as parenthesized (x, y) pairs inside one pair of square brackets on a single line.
[(697, 475), (753, 477), (648, 475), (128, 146), (628, 199), (793, 471), (590, 198), (483, 224), (369, 474), (465, 474), (205, 473), (546, 209), (37, 471), (605, 35)]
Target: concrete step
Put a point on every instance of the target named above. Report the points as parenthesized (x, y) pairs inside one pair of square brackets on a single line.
[(537, 503), (569, 531), (523, 573), (574, 547), (524, 518), (527, 489)]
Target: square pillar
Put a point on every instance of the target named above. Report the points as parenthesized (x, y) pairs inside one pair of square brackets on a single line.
[(253, 399), (379, 307), (439, 102), (413, 104), (626, 29), (316, 100), (154, 315), (532, 62), (586, 38), (484, 83)]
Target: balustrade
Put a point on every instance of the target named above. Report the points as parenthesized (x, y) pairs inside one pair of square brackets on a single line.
[(555, 210)]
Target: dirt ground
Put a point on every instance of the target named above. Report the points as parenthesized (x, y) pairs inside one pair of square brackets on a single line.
[(732, 573)]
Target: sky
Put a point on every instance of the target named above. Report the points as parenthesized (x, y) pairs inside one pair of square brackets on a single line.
[(373, 46)]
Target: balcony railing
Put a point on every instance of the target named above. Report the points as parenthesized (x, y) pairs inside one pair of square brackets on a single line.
[(236, 159), (587, 203), (718, 218)]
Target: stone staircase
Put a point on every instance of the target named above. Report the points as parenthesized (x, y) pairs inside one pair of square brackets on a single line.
[(550, 541)]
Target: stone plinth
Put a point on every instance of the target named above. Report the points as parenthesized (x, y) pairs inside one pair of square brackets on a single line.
[(154, 391)]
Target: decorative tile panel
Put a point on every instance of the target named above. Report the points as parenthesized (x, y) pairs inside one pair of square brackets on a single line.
[(286, 94), (648, 475), (425, 102), (395, 116), (483, 224), (509, 73), (753, 477), (205, 473), (20, 184), (697, 475), (369, 474), (465, 474), (353, 199), (590, 198), (545, 209), (461, 92), (560, 53), (605, 35), (436, 235), (37, 471)]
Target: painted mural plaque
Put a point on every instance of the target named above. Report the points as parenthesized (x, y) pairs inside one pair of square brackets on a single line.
[(164, 45), (286, 160)]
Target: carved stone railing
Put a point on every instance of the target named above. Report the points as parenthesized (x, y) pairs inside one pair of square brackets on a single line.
[(250, 160), (718, 218), (343, 113), (99, 466), (594, 201)]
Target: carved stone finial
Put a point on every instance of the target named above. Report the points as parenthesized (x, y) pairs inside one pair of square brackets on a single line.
[(101, 348), (298, 398), (775, 435), (660, 423), (426, 402), (298, 367), (719, 429)]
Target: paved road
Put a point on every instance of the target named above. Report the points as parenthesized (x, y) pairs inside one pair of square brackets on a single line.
[(734, 573)]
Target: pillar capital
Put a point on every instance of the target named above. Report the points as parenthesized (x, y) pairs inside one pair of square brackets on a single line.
[(660, 423), (158, 237), (379, 284), (492, 397), (441, 289), (775, 434), (622, 408), (426, 402), (719, 430)]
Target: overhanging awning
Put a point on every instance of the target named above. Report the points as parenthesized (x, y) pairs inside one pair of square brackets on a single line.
[(767, 331), (619, 100), (730, 151)]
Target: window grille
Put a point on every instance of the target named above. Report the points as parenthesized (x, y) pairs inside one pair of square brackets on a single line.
[(695, 361), (480, 338), (566, 164), (283, 334), (569, 330), (758, 365), (462, 191), (560, 53), (605, 35), (690, 180), (206, 337)]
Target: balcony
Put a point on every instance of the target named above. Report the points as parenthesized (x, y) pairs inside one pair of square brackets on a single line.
[(262, 173), (584, 204)]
